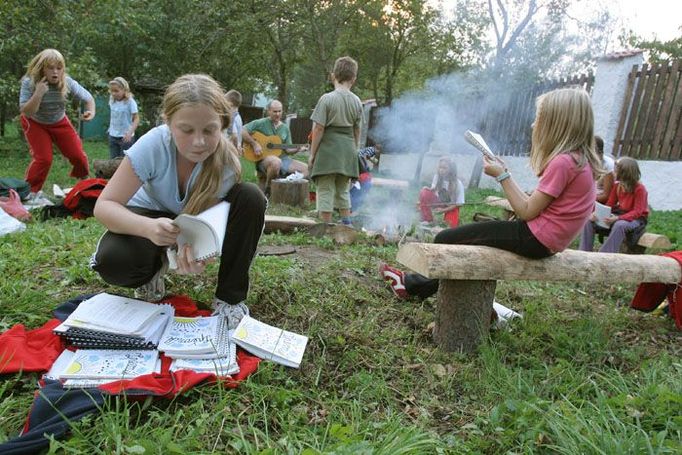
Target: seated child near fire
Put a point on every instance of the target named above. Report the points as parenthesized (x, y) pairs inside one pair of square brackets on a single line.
[(563, 156), (629, 205), (446, 194), (360, 187)]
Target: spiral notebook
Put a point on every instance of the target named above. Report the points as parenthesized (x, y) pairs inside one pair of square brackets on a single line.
[(205, 232), (269, 342), (477, 141), (107, 321), (196, 338)]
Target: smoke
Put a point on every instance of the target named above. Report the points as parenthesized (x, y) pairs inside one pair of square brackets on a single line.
[(429, 124), (433, 121)]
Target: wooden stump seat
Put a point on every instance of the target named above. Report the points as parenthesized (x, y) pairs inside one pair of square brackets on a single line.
[(468, 276)]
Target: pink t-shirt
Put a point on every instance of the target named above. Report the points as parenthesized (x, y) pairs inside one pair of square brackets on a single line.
[(574, 192)]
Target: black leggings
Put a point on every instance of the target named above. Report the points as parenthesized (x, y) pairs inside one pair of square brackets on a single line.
[(131, 261), (514, 236)]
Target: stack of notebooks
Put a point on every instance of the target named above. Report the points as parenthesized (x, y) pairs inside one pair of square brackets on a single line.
[(108, 321), (93, 367), (200, 344)]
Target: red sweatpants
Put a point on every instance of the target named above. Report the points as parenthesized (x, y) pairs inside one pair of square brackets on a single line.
[(40, 137), (427, 198)]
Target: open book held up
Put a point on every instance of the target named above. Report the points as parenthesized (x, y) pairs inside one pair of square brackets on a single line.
[(602, 212), (205, 232), (477, 141)]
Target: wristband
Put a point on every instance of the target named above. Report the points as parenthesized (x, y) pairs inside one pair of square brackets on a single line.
[(503, 176)]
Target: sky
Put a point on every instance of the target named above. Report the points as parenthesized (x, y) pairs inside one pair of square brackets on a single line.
[(647, 18)]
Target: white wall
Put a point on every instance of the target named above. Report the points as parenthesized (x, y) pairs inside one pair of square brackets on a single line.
[(662, 179), (608, 94)]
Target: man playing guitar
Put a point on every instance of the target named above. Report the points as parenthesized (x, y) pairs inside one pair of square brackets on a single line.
[(271, 166)]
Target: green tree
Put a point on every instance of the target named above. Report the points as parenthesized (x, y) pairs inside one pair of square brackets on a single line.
[(659, 51)]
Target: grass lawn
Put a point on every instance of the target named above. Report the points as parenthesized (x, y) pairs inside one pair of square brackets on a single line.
[(581, 373)]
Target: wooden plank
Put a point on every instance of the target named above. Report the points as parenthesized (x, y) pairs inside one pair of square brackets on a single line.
[(666, 111), (624, 111), (676, 149), (501, 202), (629, 146), (651, 240), (673, 121), (286, 224), (391, 183), (470, 262), (639, 151), (649, 149)]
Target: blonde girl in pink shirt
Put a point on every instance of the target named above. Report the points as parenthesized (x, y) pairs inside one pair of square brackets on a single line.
[(564, 158)]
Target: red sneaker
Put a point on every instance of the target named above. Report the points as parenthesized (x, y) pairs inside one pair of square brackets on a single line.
[(396, 279)]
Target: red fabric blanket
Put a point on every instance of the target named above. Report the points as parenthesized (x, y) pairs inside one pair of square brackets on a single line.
[(36, 350), (54, 408), (650, 295)]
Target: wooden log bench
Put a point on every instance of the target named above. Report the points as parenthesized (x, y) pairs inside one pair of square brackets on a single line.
[(390, 183), (647, 240), (468, 275)]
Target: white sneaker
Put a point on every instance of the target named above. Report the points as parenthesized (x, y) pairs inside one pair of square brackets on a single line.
[(37, 200), (155, 290), (233, 313)]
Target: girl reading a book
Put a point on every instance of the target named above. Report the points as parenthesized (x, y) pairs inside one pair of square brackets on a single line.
[(563, 156), (445, 195), (629, 210), (183, 166)]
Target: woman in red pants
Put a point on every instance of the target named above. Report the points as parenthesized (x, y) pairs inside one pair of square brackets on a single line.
[(42, 101)]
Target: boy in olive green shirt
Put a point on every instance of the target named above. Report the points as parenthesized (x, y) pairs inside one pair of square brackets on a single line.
[(336, 134)]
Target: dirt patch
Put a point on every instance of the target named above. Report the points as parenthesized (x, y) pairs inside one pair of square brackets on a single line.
[(313, 256)]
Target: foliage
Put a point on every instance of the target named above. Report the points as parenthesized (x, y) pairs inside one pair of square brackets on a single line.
[(579, 374), (659, 51)]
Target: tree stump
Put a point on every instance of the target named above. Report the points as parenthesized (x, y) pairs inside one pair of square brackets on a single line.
[(463, 314), (289, 192), (104, 169)]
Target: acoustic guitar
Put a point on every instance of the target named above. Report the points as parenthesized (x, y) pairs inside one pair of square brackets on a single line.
[(270, 146)]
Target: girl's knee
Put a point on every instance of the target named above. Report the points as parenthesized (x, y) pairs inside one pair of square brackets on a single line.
[(619, 225), (248, 195)]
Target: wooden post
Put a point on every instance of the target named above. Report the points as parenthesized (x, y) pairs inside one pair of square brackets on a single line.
[(463, 314), (294, 192)]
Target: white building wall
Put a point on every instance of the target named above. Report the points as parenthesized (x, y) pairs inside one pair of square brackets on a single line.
[(608, 94)]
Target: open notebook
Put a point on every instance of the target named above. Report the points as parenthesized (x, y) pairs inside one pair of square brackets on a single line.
[(269, 342), (205, 232), (602, 212), (477, 141)]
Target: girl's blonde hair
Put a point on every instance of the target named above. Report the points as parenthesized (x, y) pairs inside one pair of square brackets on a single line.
[(450, 177), (564, 122), (124, 86), (201, 89), (628, 173), (38, 64)]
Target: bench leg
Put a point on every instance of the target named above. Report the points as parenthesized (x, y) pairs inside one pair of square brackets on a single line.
[(463, 314)]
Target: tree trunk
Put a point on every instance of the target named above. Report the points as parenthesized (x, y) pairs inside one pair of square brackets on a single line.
[(463, 314), (294, 193)]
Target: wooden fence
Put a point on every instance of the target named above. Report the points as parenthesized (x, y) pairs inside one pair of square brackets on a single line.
[(509, 129), (650, 126)]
